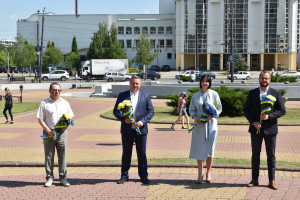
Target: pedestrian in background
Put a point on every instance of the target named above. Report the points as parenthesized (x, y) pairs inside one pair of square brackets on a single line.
[(76, 76), (8, 76), (179, 69), (181, 109), (49, 113), (13, 76), (204, 135), (8, 106), (193, 76)]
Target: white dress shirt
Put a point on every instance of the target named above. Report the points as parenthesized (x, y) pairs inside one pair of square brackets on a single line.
[(134, 98)]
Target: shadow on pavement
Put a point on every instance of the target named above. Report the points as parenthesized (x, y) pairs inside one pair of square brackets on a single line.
[(16, 184), (109, 144)]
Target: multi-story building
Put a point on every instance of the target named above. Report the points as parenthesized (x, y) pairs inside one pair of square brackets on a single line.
[(8, 43), (265, 32)]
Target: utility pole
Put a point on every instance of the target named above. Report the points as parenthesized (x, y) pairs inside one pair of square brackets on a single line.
[(197, 57), (41, 53), (8, 61), (231, 38), (37, 40)]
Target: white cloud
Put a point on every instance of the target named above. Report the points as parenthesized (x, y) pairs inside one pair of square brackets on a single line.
[(13, 16)]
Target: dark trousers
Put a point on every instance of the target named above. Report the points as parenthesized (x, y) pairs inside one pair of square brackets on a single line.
[(270, 142), (127, 143), (9, 111)]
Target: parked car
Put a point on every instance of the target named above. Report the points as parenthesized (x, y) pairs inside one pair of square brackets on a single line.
[(70, 70), (56, 74), (155, 68), (202, 73), (166, 68), (186, 73), (150, 75), (13, 69), (116, 76), (3, 69), (240, 75), (290, 74)]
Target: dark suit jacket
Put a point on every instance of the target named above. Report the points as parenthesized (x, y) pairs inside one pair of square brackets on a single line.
[(144, 111), (252, 111)]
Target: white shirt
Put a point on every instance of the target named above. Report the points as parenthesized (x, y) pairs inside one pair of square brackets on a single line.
[(193, 76), (50, 111), (134, 100), (262, 93)]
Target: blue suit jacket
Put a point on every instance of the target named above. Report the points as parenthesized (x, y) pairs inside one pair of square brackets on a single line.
[(144, 111), (252, 111)]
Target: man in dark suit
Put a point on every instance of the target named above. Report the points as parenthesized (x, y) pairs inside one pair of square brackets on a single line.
[(268, 127), (142, 113)]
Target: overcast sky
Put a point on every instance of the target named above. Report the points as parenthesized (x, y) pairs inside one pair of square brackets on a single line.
[(12, 10)]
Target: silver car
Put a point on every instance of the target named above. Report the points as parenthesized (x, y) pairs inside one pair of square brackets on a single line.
[(290, 74), (116, 76), (56, 74), (240, 75)]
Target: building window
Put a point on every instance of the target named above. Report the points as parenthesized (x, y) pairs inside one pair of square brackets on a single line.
[(128, 30), (152, 30), (145, 30), (121, 30), (128, 42), (169, 55), (169, 43), (161, 43), (152, 42), (161, 30), (122, 43), (137, 30), (136, 42), (169, 30)]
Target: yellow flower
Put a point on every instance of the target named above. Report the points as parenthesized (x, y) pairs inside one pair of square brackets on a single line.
[(270, 97), (67, 116), (120, 106), (127, 103)]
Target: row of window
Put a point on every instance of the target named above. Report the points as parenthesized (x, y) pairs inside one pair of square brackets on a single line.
[(152, 31), (154, 44)]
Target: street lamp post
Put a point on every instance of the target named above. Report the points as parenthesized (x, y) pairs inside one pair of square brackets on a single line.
[(21, 89)]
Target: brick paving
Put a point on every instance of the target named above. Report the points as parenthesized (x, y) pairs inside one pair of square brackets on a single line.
[(96, 140)]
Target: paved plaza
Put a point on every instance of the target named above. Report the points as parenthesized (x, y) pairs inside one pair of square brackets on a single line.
[(94, 155)]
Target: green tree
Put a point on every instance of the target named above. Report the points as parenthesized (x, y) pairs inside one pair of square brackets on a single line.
[(105, 44), (3, 57), (239, 62), (144, 55), (23, 54), (73, 60), (52, 56), (29, 54), (74, 45)]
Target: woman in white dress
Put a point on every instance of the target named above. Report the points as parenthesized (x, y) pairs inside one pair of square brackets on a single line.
[(204, 135)]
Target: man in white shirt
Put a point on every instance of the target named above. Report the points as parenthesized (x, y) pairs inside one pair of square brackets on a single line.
[(49, 113)]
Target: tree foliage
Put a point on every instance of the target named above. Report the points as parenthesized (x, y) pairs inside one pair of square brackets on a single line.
[(144, 55), (239, 62), (74, 45), (73, 60), (105, 44), (23, 54), (52, 56)]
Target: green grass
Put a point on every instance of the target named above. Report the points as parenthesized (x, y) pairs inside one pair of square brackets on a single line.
[(164, 114), (217, 161), (21, 107)]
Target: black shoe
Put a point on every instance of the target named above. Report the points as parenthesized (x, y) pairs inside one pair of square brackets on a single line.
[(122, 180), (145, 181)]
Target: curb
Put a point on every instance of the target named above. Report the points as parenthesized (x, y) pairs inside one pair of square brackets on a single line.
[(154, 165), (224, 124)]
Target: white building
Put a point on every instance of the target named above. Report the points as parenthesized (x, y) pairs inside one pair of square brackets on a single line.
[(265, 32), (8, 43)]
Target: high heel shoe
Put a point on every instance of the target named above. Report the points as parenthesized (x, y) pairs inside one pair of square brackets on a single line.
[(172, 127), (208, 180)]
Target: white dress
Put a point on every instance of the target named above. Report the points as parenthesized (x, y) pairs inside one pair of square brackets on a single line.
[(204, 135)]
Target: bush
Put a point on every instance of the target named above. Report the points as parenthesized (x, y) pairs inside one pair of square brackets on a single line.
[(134, 70), (277, 78), (233, 100), (187, 78)]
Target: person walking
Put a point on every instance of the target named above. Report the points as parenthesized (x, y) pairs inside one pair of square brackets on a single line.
[(142, 114), (204, 135), (13, 76), (49, 113), (179, 69), (268, 127), (8, 77), (193, 76), (182, 112), (8, 106), (76, 76)]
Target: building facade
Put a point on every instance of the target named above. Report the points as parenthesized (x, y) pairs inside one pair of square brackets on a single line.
[(265, 32), (8, 43)]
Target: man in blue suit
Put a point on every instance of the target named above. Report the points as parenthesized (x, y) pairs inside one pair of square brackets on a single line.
[(142, 113), (268, 127)]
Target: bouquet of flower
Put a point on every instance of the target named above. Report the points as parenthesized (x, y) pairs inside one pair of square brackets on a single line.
[(265, 105), (63, 122), (209, 110), (125, 107)]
